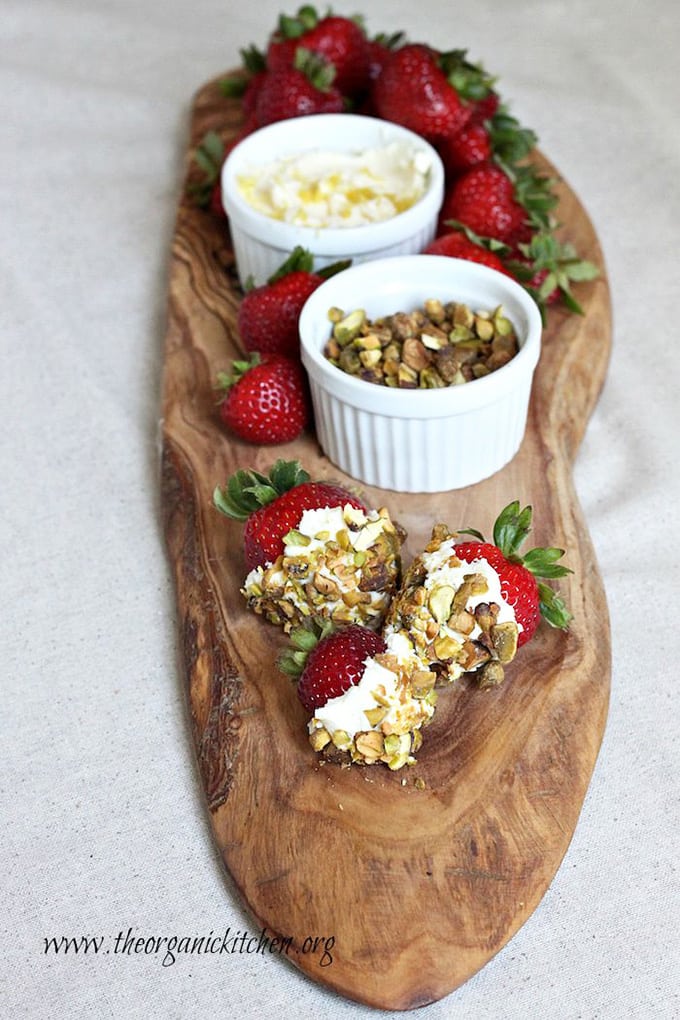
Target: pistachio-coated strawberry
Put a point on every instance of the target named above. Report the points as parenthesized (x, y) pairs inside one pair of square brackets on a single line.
[(521, 576), (271, 505)]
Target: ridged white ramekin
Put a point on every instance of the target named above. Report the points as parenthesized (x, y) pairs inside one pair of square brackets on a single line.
[(262, 243), (428, 440)]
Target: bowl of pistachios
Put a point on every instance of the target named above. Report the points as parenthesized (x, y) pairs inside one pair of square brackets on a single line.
[(420, 369)]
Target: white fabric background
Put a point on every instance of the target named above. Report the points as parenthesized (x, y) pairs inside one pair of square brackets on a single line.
[(103, 826)]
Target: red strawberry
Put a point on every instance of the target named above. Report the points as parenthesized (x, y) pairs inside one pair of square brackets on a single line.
[(268, 315), (328, 662), (484, 200), (380, 50), (272, 504), (413, 91), (530, 599), (252, 91), (299, 89), (456, 245), (485, 108), (340, 41), (467, 148), (266, 400)]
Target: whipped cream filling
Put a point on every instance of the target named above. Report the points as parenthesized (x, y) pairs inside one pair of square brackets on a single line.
[(348, 711), (440, 571)]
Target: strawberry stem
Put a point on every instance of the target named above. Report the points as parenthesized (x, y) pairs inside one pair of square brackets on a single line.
[(303, 639), (299, 260), (248, 491)]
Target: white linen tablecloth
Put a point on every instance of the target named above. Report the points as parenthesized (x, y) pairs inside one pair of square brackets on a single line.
[(103, 825)]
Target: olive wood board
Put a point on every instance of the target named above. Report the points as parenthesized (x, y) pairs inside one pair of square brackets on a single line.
[(418, 887)]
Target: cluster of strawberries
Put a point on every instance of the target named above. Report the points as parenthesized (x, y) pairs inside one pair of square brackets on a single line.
[(498, 210), (266, 400)]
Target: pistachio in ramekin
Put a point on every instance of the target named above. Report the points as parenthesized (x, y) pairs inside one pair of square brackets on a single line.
[(434, 346)]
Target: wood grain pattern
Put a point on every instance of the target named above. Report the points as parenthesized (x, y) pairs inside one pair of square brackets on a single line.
[(420, 888)]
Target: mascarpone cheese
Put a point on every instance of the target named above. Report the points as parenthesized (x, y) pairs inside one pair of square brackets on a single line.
[(338, 189)]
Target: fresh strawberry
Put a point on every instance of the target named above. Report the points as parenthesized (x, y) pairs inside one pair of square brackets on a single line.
[(486, 107), (470, 146), (484, 200), (252, 91), (299, 89), (340, 41), (380, 49), (268, 315), (271, 505), (266, 399), (327, 662), (413, 91), (529, 598), (457, 245), (491, 133)]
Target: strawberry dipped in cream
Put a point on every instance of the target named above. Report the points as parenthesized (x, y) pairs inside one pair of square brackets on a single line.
[(365, 703), (313, 548), (468, 606)]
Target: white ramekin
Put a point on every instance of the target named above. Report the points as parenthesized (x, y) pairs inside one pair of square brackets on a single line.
[(261, 243), (420, 440)]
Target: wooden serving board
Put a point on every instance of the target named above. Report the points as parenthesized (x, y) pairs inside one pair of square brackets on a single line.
[(418, 888)]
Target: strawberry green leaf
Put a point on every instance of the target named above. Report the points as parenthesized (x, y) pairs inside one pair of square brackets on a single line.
[(208, 157), (471, 531), (247, 491), (293, 27), (320, 72), (212, 144), (510, 142), (543, 562), (233, 87), (572, 304), (582, 270), (336, 267), (286, 474), (490, 243), (511, 528), (553, 608), (253, 59), (303, 639), (300, 259), (390, 42), (548, 286), (469, 80), (234, 500), (263, 493)]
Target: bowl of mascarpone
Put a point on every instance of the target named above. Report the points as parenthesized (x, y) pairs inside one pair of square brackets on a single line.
[(343, 186)]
